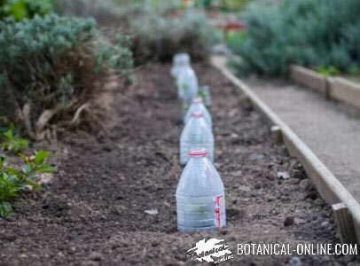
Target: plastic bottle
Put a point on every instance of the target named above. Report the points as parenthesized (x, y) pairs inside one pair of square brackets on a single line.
[(175, 67), (178, 61), (187, 84), (198, 106), (196, 135), (200, 201)]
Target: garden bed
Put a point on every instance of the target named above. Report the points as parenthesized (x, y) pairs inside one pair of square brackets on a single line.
[(346, 91), (94, 210), (310, 79), (342, 89)]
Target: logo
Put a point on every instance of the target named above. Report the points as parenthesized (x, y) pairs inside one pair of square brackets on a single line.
[(210, 250)]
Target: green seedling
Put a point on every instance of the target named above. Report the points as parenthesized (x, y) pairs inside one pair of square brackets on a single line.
[(13, 143), (203, 95), (9, 189), (5, 209), (13, 180), (8, 183), (36, 164)]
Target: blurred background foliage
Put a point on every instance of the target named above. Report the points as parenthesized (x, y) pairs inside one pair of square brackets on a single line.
[(55, 55), (322, 34), (159, 29), (67, 54), (160, 37)]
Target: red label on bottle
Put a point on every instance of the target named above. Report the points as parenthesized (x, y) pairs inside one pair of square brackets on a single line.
[(218, 211)]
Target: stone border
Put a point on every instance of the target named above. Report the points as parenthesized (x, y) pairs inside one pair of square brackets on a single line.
[(338, 89), (329, 187)]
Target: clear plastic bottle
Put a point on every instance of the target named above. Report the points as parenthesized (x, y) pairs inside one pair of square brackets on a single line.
[(187, 83), (200, 201), (178, 61), (198, 106), (196, 135)]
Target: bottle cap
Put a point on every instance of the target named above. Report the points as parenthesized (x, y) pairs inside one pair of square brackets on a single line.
[(197, 153), (197, 114)]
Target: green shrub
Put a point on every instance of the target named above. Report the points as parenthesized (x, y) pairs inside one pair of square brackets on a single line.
[(51, 66), (311, 33), (160, 37), (21, 9)]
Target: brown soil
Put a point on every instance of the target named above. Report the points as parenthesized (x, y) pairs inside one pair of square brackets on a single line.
[(93, 211)]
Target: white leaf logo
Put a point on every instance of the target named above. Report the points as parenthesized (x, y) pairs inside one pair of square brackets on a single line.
[(210, 250)]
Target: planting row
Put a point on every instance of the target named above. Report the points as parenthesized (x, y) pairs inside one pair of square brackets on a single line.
[(200, 198)]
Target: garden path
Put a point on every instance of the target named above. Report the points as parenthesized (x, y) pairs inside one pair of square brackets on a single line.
[(330, 129)]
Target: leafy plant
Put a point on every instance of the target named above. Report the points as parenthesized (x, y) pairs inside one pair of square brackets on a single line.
[(310, 33), (36, 164), (9, 187), (328, 71), (51, 66), (21, 9), (13, 143), (13, 181), (5, 208)]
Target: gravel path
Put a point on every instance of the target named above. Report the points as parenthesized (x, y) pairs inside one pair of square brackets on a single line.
[(330, 130)]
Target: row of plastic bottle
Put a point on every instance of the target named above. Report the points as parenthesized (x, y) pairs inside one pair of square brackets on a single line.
[(200, 200)]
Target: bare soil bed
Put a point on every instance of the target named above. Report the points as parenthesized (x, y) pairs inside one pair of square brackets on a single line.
[(93, 213)]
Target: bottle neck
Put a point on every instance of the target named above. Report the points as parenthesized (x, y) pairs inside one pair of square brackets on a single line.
[(197, 161), (197, 120), (184, 64)]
